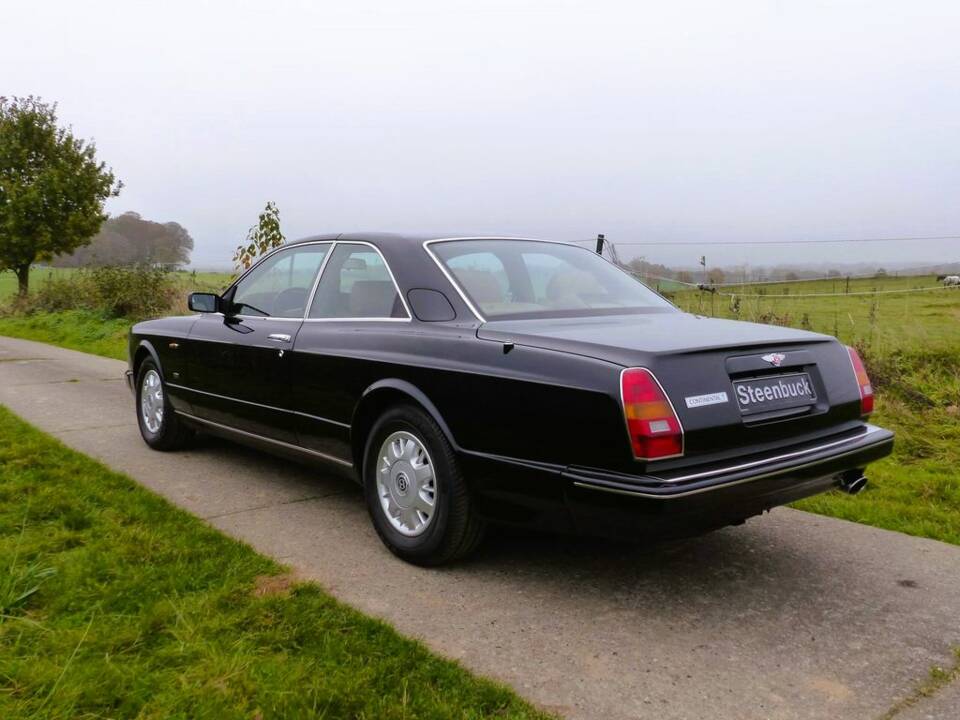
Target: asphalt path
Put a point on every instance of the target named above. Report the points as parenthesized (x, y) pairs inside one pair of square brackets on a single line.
[(790, 616)]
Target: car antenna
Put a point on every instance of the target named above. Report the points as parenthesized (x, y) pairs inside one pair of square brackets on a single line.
[(600, 240)]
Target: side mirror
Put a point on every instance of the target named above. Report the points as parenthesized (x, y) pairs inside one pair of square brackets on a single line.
[(203, 302)]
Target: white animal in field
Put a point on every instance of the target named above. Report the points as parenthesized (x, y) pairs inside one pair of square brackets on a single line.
[(951, 280)]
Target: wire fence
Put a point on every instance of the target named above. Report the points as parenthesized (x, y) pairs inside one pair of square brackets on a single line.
[(713, 287)]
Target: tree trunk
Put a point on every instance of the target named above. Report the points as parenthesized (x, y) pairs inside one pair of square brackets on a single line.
[(23, 279)]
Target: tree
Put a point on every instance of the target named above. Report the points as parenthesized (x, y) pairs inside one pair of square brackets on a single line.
[(128, 239), (52, 187), (716, 276), (261, 238)]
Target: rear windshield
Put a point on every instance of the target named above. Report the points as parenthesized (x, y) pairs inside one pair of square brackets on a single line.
[(528, 279)]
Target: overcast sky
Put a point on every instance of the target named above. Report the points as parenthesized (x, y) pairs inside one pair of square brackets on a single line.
[(649, 121)]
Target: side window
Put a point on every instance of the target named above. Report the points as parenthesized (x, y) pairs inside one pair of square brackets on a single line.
[(356, 284), (280, 285), (483, 277)]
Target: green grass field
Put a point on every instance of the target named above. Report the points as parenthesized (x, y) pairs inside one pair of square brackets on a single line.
[(113, 603), (8, 281), (887, 313), (189, 279)]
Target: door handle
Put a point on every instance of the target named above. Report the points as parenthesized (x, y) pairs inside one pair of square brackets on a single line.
[(279, 337)]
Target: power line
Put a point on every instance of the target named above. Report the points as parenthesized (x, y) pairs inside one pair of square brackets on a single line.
[(849, 294), (784, 242)]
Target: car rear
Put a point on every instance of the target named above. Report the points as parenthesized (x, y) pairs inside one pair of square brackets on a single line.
[(713, 433)]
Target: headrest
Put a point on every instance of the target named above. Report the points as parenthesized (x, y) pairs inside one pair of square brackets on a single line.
[(481, 285), (372, 298)]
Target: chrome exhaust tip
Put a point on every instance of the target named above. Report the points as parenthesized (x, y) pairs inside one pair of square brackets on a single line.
[(853, 481)]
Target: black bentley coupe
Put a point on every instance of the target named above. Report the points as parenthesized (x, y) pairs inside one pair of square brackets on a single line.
[(473, 381)]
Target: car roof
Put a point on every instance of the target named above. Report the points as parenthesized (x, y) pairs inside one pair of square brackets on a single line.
[(385, 238)]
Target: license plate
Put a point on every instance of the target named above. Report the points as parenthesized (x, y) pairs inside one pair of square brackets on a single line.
[(775, 392)]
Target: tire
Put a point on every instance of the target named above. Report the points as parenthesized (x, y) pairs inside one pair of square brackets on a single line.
[(161, 430), (394, 480)]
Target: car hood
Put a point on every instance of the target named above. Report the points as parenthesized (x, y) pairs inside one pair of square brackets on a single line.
[(622, 338)]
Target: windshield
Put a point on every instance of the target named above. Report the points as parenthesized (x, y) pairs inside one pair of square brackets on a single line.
[(529, 278)]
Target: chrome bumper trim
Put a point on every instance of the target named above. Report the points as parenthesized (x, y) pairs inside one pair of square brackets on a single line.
[(722, 485), (871, 429)]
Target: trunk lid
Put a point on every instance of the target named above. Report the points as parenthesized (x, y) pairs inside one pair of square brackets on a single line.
[(705, 365)]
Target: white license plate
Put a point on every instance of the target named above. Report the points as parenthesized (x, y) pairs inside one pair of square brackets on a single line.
[(774, 392)]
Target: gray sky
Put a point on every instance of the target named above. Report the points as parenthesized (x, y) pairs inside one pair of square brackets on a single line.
[(694, 121)]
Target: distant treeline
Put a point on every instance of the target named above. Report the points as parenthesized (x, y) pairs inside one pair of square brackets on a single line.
[(128, 239), (756, 273)]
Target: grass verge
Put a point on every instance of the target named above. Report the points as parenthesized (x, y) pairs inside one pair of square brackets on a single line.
[(917, 489), (83, 330), (113, 603), (937, 679)]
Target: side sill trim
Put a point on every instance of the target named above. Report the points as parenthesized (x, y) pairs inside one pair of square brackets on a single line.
[(266, 407), (261, 438)]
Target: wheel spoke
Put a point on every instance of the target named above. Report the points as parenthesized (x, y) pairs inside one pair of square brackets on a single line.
[(424, 503), (424, 474), (410, 518)]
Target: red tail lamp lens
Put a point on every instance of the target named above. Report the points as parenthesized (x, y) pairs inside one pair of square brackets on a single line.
[(652, 424), (863, 381)]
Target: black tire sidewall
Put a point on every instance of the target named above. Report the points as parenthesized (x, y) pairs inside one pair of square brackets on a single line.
[(417, 422)]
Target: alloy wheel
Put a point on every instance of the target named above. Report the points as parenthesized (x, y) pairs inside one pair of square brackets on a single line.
[(151, 401), (406, 484)]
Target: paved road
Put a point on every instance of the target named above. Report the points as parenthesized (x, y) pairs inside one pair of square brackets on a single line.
[(790, 616)]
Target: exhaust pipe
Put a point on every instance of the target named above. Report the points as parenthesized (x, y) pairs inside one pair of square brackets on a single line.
[(853, 481)]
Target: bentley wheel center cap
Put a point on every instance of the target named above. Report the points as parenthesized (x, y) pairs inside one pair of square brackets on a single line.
[(402, 483)]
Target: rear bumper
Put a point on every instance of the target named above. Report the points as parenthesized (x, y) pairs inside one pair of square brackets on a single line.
[(828, 458), (702, 500), (609, 504)]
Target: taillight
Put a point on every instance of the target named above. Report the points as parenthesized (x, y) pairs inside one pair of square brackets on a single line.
[(863, 382), (654, 429)]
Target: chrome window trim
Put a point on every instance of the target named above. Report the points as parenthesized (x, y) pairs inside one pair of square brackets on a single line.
[(263, 438), (316, 280), (282, 248), (357, 319), (393, 279)]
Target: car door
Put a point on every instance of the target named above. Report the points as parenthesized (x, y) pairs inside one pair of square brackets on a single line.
[(343, 344), (239, 373)]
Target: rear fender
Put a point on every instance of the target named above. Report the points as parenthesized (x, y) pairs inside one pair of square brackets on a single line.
[(377, 396)]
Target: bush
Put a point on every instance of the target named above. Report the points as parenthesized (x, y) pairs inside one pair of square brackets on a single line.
[(134, 293), (63, 292)]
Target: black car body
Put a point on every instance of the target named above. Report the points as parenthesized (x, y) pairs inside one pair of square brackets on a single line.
[(524, 377)]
